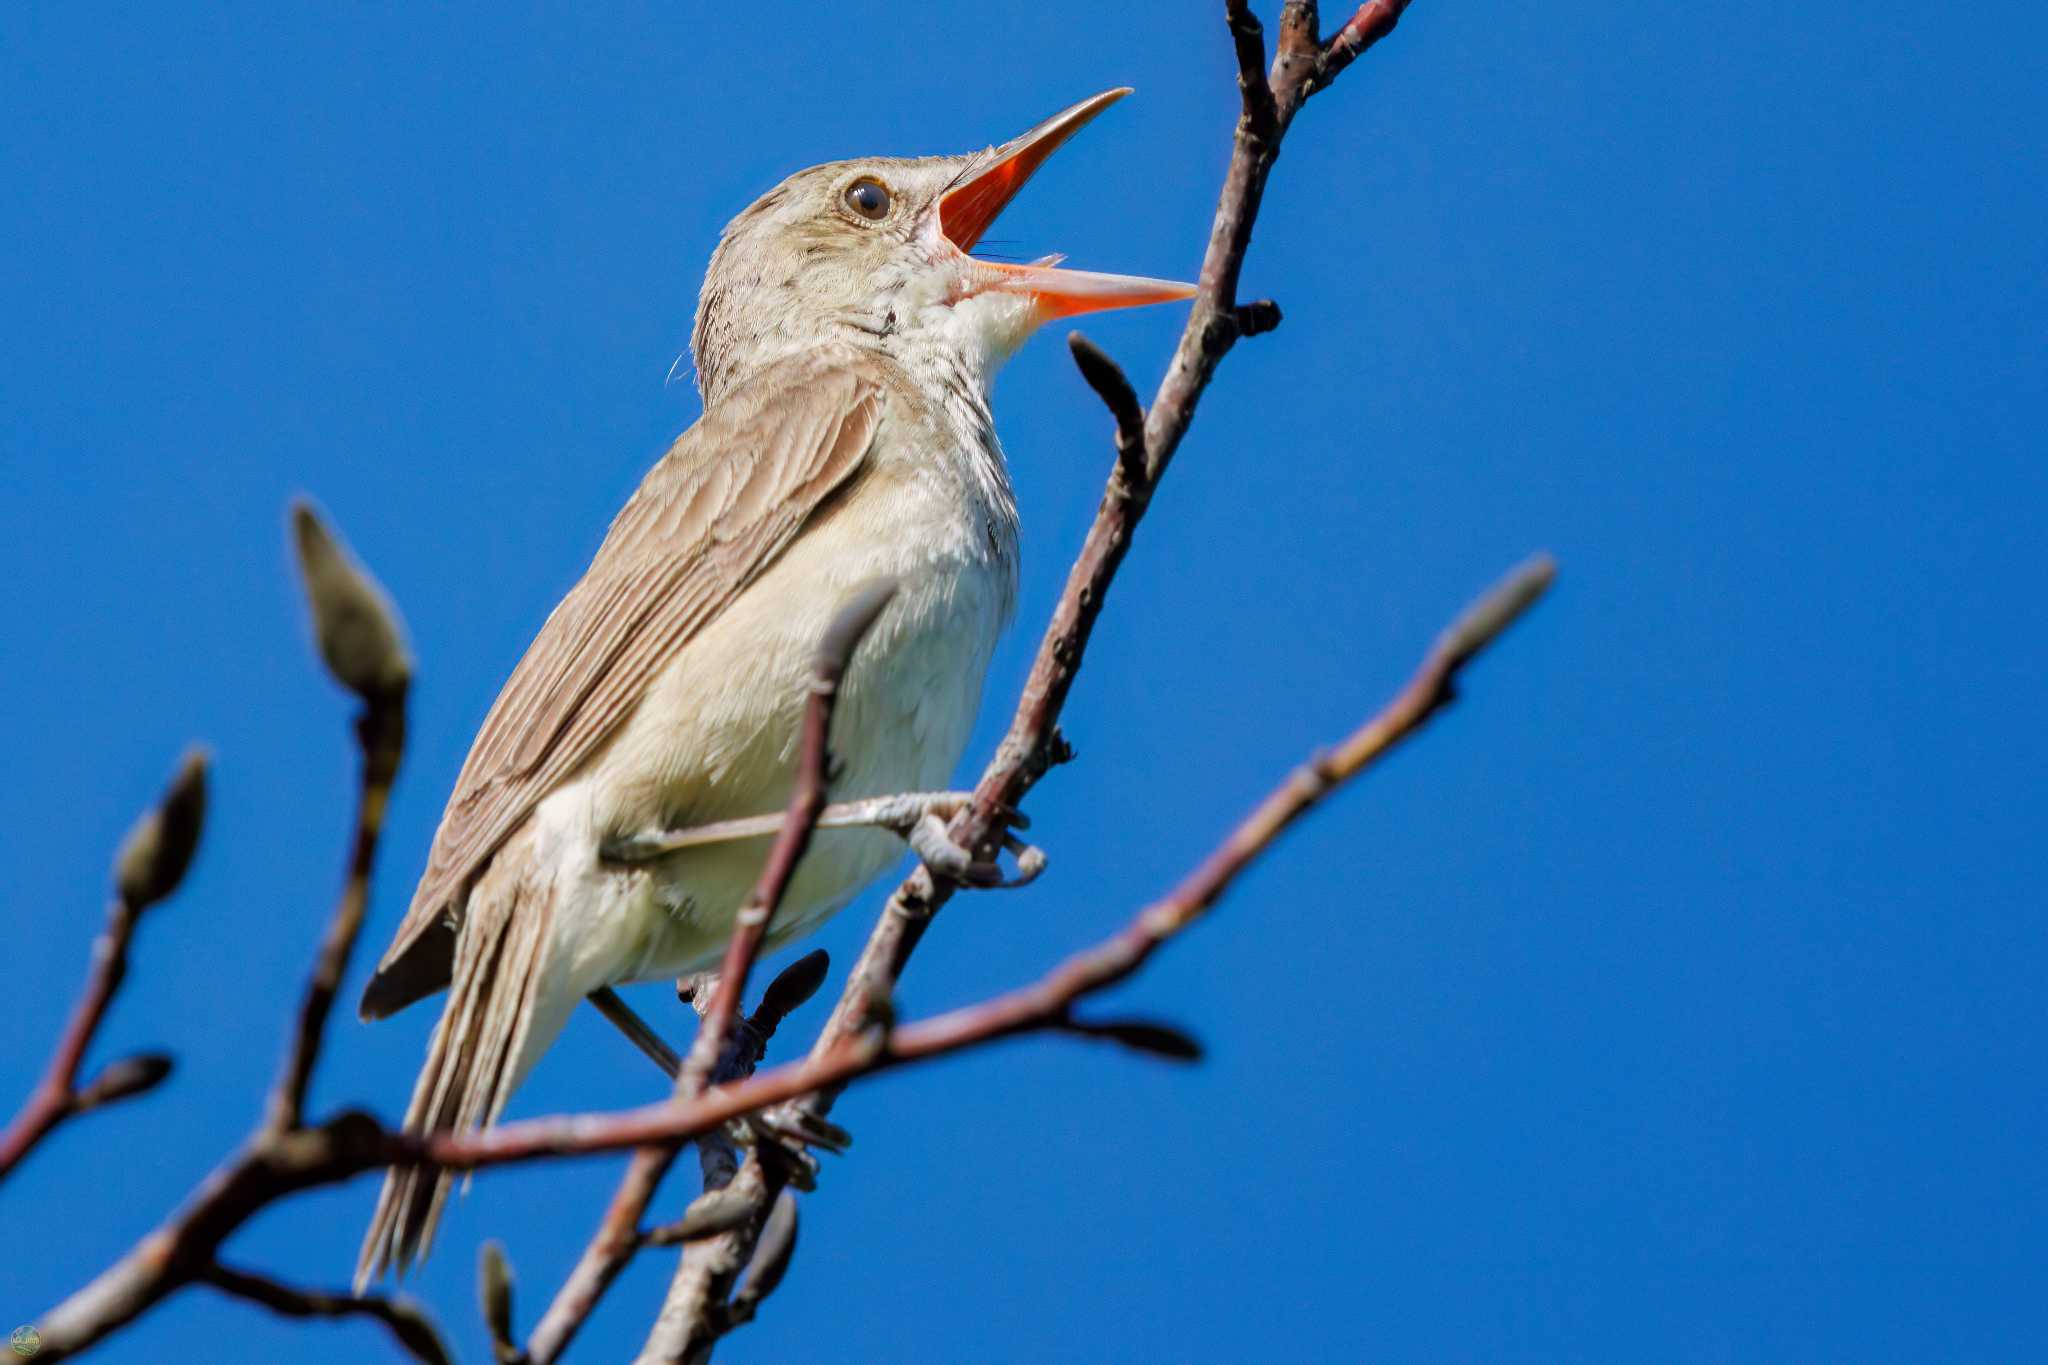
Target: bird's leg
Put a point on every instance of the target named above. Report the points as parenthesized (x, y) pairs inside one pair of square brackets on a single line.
[(638, 1031), (919, 818)]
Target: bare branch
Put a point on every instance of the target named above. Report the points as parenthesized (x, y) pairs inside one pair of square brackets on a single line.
[(617, 1236), (408, 1324), (282, 1155), (1249, 41), (638, 1031), (1373, 21), (360, 639), (1048, 1002), (152, 861)]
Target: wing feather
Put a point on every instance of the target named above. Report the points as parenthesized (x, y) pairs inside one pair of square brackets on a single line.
[(726, 500)]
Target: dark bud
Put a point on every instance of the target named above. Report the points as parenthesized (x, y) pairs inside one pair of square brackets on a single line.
[(1141, 1035), (125, 1077), (794, 985), (416, 1332), (354, 622), (1260, 315), (1108, 380), (159, 847), (771, 1255), (494, 1292)]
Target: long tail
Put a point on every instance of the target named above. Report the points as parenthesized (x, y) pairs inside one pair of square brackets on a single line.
[(495, 1022)]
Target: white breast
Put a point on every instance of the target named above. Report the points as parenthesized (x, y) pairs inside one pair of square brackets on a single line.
[(716, 737)]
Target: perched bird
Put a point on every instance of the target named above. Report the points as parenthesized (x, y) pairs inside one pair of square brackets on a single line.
[(845, 342)]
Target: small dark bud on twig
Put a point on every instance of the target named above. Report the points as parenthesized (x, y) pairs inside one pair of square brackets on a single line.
[(771, 1255), (125, 1077), (494, 1291), (353, 620), (1140, 1035), (416, 1331), (1112, 386), (794, 985), (158, 848), (1260, 315)]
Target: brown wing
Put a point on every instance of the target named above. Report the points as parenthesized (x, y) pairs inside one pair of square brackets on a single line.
[(728, 497)]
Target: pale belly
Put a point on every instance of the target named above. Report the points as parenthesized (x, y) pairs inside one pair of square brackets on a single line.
[(717, 736)]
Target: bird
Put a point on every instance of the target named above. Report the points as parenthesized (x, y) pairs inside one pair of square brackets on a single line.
[(845, 343)]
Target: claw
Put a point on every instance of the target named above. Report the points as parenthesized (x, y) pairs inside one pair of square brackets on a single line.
[(790, 1131), (1030, 861), (931, 841)]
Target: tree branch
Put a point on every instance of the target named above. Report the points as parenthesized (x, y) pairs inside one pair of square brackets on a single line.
[(1373, 21), (360, 641), (408, 1324), (618, 1233), (153, 859), (1047, 1002)]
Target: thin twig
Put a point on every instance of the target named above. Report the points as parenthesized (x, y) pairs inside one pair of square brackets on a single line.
[(360, 641), (380, 732), (1372, 22), (408, 1324), (638, 1031), (1249, 40), (1047, 1002), (153, 859), (617, 1236)]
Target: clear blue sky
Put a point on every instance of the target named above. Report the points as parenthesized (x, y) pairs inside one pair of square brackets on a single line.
[(1678, 997)]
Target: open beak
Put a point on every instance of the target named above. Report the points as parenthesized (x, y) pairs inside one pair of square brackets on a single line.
[(966, 210)]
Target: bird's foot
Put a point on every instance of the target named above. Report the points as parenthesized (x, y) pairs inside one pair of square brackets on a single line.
[(931, 838), (919, 818)]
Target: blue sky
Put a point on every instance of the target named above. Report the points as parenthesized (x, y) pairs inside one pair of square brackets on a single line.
[(1677, 997)]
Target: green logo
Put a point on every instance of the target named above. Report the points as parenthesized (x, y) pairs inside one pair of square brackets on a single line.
[(25, 1341)]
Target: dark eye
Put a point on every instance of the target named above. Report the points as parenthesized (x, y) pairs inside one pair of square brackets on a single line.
[(869, 199)]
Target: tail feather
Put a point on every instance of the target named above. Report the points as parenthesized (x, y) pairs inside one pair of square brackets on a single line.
[(480, 1049)]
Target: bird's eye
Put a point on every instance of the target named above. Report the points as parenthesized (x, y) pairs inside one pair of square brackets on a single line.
[(868, 198)]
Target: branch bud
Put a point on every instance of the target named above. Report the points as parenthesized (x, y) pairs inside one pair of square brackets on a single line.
[(772, 1251), (494, 1290), (354, 622), (795, 984), (416, 1330), (124, 1077), (1140, 1035), (158, 848)]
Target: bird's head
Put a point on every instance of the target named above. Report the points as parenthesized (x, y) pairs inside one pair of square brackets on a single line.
[(875, 251)]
